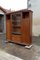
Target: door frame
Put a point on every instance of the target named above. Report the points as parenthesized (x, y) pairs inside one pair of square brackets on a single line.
[(4, 25)]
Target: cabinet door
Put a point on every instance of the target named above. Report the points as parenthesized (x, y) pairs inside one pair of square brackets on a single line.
[(8, 28), (16, 27), (25, 28)]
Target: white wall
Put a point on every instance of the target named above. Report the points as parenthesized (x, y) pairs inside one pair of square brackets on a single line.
[(36, 17), (36, 30)]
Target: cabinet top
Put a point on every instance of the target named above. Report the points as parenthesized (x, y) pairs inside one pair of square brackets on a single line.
[(23, 10)]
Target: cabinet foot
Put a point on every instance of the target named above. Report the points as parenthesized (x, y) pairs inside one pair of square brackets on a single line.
[(28, 46)]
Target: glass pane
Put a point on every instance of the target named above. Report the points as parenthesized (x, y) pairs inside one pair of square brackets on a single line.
[(16, 20)]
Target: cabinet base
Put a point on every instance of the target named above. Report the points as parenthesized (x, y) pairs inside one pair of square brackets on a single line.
[(26, 46)]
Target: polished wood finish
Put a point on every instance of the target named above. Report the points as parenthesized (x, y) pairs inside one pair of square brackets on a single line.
[(22, 35), (8, 27)]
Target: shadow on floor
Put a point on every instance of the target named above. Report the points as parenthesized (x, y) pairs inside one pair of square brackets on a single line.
[(36, 40)]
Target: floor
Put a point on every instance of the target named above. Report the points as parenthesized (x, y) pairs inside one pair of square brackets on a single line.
[(3, 54), (20, 51), (6, 56)]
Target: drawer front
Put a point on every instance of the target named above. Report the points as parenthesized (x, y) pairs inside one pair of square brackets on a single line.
[(16, 38)]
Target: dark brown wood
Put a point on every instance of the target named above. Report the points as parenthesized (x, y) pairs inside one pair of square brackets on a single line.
[(19, 27)]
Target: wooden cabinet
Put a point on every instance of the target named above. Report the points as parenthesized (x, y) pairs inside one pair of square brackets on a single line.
[(21, 27)]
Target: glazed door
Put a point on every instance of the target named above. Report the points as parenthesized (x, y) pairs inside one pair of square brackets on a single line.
[(16, 27)]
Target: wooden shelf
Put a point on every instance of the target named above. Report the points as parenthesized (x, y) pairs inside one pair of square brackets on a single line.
[(16, 33)]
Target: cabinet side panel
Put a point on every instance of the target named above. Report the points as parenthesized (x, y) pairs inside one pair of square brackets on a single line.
[(30, 27)]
